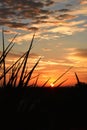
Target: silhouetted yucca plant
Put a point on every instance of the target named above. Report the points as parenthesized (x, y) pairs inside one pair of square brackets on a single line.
[(17, 68)]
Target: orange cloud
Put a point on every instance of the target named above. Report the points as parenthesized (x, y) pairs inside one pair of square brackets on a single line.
[(46, 49), (65, 17), (67, 30), (79, 11), (83, 2), (56, 67), (24, 37)]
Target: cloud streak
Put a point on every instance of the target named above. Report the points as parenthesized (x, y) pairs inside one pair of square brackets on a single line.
[(82, 53), (83, 2), (43, 15)]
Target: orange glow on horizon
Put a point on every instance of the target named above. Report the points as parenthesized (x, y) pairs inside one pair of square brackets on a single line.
[(50, 70), (52, 85)]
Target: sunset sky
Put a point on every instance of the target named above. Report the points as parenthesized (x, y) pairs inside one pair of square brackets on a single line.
[(61, 36)]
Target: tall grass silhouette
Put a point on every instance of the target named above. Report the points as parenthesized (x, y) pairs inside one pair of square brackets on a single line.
[(18, 70), (18, 67), (46, 108)]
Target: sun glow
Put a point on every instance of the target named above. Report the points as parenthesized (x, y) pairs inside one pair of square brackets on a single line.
[(52, 85)]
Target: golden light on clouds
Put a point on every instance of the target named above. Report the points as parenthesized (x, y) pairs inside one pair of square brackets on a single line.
[(83, 2), (61, 36)]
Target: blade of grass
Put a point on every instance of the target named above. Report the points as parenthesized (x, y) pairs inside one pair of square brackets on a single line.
[(17, 72), (2, 58), (31, 72), (61, 83), (62, 75), (26, 58), (6, 51), (10, 82), (3, 43), (45, 83), (12, 65), (77, 78), (35, 84), (30, 78), (11, 42)]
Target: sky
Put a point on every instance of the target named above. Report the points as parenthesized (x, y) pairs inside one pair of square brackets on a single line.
[(60, 28)]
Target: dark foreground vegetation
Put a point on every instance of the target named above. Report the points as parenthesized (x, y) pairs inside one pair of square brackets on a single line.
[(44, 108), (24, 107)]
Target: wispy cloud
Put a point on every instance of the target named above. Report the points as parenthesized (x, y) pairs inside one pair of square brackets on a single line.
[(11, 12), (24, 37), (77, 56), (43, 16), (46, 49), (67, 30), (82, 10), (83, 2), (65, 17), (82, 53), (8, 32)]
